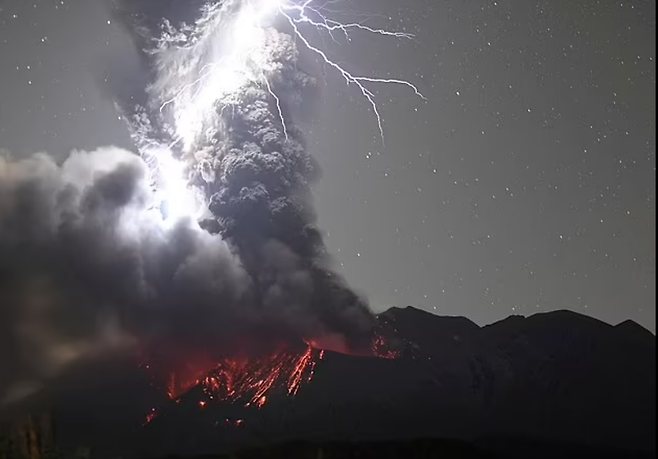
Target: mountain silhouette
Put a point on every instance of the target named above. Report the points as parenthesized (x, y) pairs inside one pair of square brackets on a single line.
[(552, 378)]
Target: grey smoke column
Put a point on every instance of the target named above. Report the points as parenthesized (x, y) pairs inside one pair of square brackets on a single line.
[(258, 183), (255, 173)]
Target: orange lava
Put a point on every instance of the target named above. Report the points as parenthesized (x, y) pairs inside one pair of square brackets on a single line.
[(381, 349), (150, 416), (251, 380)]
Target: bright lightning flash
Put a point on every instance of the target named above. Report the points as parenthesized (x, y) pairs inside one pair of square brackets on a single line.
[(233, 49)]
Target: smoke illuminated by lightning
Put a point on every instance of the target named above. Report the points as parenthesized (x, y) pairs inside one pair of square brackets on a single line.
[(245, 60), (231, 48)]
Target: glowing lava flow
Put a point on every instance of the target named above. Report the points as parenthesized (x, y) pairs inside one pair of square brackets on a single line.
[(247, 380), (252, 380)]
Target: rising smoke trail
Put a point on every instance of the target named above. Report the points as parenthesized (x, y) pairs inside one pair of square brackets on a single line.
[(223, 95)]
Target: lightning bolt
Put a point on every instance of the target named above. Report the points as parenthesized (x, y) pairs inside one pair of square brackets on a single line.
[(278, 106), (330, 26), (198, 83)]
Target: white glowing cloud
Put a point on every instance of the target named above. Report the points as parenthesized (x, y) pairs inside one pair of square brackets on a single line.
[(229, 53), (178, 199)]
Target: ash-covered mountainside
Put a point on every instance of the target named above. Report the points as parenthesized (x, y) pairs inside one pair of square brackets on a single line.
[(559, 377)]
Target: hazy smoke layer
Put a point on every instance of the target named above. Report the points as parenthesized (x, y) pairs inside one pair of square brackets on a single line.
[(87, 268), (87, 265)]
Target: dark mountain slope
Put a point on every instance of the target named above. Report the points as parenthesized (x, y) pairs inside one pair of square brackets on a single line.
[(555, 378), (559, 376)]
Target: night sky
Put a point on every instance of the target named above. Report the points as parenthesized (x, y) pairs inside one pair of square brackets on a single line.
[(525, 184)]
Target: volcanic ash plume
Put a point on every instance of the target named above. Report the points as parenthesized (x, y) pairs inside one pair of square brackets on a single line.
[(203, 245), (221, 100)]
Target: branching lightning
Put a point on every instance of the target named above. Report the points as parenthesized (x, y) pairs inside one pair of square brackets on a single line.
[(278, 106), (217, 82), (349, 78), (330, 25), (196, 83)]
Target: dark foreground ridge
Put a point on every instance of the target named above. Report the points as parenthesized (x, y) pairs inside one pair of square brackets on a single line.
[(509, 448), (567, 384)]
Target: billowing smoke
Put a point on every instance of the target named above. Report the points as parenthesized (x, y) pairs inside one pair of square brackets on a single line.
[(87, 268), (111, 251)]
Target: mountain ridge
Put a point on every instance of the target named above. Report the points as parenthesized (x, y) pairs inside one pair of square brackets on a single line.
[(558, 312), (557, 377)]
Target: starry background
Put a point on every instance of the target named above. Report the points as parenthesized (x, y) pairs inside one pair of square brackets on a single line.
[(525, 184)]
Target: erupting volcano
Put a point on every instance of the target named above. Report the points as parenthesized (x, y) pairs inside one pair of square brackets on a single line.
[(216, 127), (208, 235), (247, 378), (177, 295), (251, 378)]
